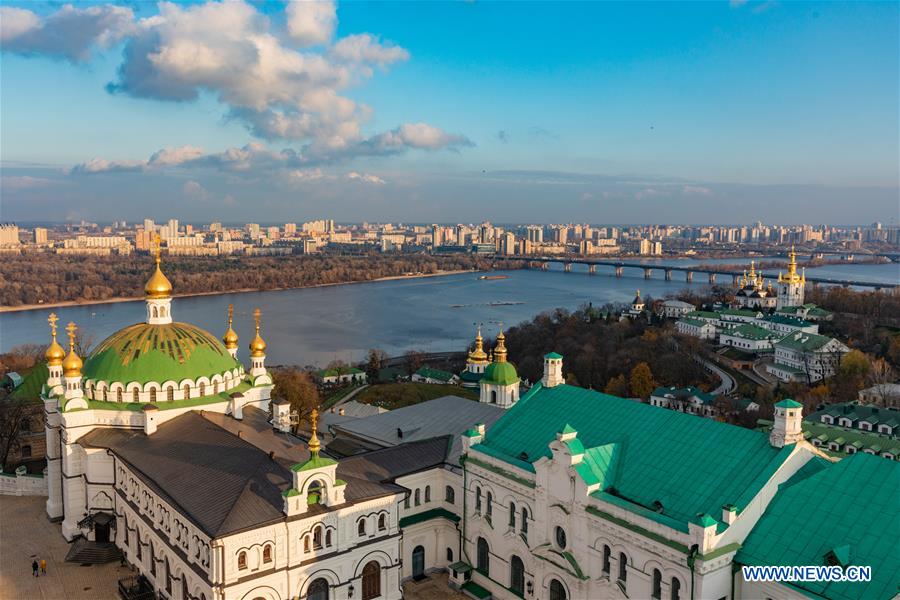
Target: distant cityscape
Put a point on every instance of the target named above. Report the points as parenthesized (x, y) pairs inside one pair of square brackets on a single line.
[(485, 238)]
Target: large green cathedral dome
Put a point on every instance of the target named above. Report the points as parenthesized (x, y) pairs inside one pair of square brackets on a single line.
[(502, 373), (144, 352)]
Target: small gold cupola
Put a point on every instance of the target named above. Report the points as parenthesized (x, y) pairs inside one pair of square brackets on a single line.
[(500, 348), (72, 363), (231, 337), (478, 355), (314, 444), (257, 345), (55, 353), (158, 286)]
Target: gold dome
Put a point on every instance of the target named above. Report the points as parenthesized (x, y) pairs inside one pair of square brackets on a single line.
[(500, 348), (231, 337), (72, 363), (55, 353), (478, 355), (257, 345), (158, 286)]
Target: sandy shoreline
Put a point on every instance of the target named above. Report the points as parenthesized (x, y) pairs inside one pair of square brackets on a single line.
[(24, 307)]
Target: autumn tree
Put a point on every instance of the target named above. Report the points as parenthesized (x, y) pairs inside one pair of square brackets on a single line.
[(617, 386), (375, 363), (641, 381), (298, 388)]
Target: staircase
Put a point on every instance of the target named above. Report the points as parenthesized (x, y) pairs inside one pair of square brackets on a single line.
[(87, 552)]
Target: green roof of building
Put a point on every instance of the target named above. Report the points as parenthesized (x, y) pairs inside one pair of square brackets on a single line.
[(694, 322), (740, 312), (748, 331), (438, 374), (340, 371), (849, 503), (500, 373), (469, 376), (787, 320), (434, 513), (803, 341), (314, 462), (686, 464), (553, 355), (702, 314), (862, 440), (30, 388), (876, 415), (684, 393), (788, 403), (144, 352)]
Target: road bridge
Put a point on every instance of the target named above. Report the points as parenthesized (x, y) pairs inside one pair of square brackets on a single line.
[(619, 266)]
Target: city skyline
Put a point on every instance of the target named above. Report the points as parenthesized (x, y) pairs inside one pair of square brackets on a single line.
[(598, 113)]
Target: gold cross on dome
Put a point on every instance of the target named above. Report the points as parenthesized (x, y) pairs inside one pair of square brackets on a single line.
[(52, 319), (257, 314), (155, 247), (71, 328), (230, 313)]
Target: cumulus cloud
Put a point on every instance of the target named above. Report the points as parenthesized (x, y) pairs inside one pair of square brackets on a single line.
[(310, 22), (365, 48), (102, 165), (365, 178), (70, 33)]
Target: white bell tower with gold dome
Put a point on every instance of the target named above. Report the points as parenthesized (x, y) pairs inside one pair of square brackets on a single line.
[(791, 286), (159, 292)]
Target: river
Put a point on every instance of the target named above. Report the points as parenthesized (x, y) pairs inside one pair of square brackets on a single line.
[(314, 326)]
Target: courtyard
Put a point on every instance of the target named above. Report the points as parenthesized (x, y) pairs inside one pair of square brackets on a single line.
[(26, 535)]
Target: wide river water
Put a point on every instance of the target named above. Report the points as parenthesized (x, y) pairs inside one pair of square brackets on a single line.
[(313, 326)]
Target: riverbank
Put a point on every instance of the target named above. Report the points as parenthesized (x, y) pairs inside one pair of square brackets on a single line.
[(27, 307)]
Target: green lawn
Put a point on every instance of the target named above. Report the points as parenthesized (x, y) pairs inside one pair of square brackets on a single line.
[(397, 395), (338, 395)]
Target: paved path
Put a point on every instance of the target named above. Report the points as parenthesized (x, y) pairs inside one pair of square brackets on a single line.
[(26, 534), (349, 396), (433, 588)]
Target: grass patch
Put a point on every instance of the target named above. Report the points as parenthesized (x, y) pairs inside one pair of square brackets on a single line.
[(398, 395), (339, 395)]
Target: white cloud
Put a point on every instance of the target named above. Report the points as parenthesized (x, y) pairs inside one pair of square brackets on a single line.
[(168, 157), (310, 22), (101, 165), (24, 182), (71, 33), (365, 48), (192, 190), (365, 178)]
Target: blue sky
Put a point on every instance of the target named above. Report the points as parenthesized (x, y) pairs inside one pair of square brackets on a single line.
[(456, 111)]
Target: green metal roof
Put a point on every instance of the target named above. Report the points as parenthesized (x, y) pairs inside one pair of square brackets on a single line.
[(500, 373), (748, 331), (144, 352), (849, 503), (438, 374), (434, 513), (694, 322), (702, 314), (687, 464), (788, 403), (30, 388), (553, 355), (803, 341)]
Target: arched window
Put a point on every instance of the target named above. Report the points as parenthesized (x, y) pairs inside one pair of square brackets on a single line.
[(606, 554), (371, 581), (152, 559), (406, 502), (483, 562), (557, 591), (155, 312), (449, 555), (449, 495), (306, 543), (170, 394), (119, 395), (317, 537), (427, 493), (512, 515), (168, 578), (675, 589), (215, 387), (517, 576), (184, 587), (382, 522), (493, 397), (361, 527), (187, 391), (152, 394), (134, 395), (328, 539), (318, 590), (314, 492), (202, 388), (490, 504), (623, 567), (524, 525), (417, 497), (478, 500), (656, 591)]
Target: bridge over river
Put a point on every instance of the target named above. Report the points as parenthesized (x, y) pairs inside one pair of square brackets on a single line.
[(711, 271)]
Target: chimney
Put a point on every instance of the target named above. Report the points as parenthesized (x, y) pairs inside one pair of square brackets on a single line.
[(787, 428), (729, 514), (552, 370), (240, 434)]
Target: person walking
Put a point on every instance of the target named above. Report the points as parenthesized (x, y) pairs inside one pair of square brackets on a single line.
[(34, 568), (43, 567)]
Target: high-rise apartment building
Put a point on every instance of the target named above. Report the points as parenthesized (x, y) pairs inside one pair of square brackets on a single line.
[(40, 235)]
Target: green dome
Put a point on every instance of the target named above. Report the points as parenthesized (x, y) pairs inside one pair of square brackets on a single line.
[(501, 373), (144, 352)]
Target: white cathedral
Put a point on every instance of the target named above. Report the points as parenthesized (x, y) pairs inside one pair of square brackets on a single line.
[(161, 444)]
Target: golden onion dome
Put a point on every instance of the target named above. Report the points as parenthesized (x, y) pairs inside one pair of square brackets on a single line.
[(72, 364), (231, 337), (478, 355), (158, 286), (257, 344), (55, 353)]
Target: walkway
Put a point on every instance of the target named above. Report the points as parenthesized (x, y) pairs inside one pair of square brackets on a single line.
[(433, 588), (26, 534)]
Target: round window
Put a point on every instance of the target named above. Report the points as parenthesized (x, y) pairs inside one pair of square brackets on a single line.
[(561, 538)]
